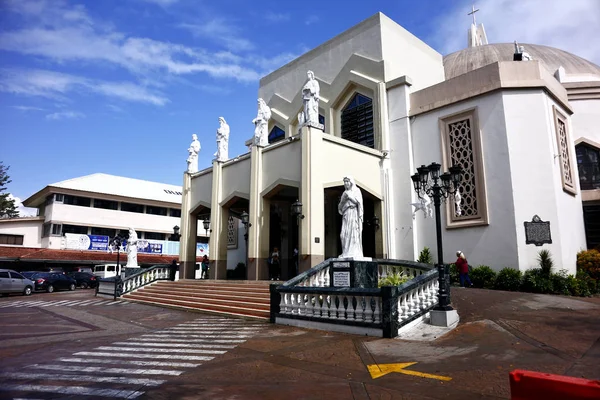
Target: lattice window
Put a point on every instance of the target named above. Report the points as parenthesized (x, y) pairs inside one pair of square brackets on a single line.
[(564, 151), (460, 135), (232, 233)]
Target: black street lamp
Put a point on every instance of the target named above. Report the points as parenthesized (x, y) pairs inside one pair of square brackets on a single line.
[(297, 209), (426, 181), (246, 221), (117, 242), (175, 236)]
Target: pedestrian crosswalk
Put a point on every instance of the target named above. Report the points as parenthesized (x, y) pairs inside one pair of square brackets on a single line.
[(126, 369), (64, 303)]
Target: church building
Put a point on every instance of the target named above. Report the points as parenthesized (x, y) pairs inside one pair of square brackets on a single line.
[(521, 120)]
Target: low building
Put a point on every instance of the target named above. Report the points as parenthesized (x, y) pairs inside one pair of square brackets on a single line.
[(78, 217)]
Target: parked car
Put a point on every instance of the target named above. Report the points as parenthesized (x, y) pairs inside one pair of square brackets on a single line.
[(51, 281), (106, 270), (84, 279), (29, 274), (13, 282)]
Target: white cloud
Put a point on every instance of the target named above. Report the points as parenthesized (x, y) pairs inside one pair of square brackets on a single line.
[(55, 85), (572, 25), (313, 19), (162, 3), (220, 31), (23, 211), (27, 108), (65, 115), (72, 36), (277, 17)]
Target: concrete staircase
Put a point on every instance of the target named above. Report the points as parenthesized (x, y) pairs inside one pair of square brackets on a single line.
[(248, 299)]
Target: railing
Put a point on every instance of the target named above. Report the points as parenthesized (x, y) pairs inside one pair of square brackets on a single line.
[(309, 301), (117, 287)]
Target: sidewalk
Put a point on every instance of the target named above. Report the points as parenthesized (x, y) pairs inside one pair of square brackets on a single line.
[(498, 332)]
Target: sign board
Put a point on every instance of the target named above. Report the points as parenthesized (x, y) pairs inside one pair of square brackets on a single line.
[(537, 232), (75, 241), (341, 278), (341, 264)]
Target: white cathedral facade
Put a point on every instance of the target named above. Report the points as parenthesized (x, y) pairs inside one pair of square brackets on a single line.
[(389, 103)]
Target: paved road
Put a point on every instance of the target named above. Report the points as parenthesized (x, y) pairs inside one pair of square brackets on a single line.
[(96, 365), (71, 345)]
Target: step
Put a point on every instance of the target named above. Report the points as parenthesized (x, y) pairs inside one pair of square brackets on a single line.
[(240, 288), (201, 295), (192, 292), (206, 300), (197, 306)]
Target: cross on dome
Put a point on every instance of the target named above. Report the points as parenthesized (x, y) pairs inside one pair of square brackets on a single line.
[(473, 11)]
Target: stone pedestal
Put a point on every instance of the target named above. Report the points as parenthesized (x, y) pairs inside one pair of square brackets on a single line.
[(353, 273), (443, 318)]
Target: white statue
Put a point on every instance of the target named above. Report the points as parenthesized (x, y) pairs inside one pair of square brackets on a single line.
[(310, 99), (222, 153), (261, 124), (193, 150), (351, 209), (424, 205), (525, 56), (132, 248), (457, 202)]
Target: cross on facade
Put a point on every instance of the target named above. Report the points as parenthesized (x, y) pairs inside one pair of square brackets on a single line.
[(473, 11)]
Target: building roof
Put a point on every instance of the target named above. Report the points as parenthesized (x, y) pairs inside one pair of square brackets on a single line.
[(114, 186), (472, 58), (11, 253)]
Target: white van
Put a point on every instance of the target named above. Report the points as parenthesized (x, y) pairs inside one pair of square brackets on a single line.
[(106, 270)]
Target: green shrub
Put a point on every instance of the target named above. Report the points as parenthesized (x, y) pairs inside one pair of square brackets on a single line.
[(508, 279), (578, 286), (454, 274), (560, 283), (483, 277), (545, 262), (592, 285), (536, 281), (425, 256), (393, 280), (588, 261)]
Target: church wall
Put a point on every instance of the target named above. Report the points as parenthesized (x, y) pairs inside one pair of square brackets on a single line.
[(495, 244), (405, 54), (201, 190), (236, 178), (586, 120), (537, 185), (282, 162), (327, 60)]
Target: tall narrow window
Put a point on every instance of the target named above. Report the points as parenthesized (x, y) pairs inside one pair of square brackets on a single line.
[(357, 121), (564, 151), (461, 141), (588, 164)]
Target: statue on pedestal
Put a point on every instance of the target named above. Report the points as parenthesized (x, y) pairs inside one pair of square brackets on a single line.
[(193, 150), (351, 209), (222, 153), (132, 248), (261, 124), (521, 54), (310, 98)]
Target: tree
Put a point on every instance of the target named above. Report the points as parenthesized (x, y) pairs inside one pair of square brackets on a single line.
[(7, 204)]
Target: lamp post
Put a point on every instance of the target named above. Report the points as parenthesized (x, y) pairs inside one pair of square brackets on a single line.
[(206, 225), (246, 221), (175, 236), (117, 242), (427, 181)]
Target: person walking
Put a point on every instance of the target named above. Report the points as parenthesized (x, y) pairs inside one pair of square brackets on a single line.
[(463, 269), (274, 269), (205, 265), (173, 270)]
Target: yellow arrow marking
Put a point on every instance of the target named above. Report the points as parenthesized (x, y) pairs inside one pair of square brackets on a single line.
[(379, 370)]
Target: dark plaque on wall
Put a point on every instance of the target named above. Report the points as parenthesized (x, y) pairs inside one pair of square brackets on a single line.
[(537, 231)]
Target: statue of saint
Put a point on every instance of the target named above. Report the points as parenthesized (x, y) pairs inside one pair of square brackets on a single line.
[(351, 209), (132, 248), (310, 98), (222, 153), (193, 150), (261, 124)]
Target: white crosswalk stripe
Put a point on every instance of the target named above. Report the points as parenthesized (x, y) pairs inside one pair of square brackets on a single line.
[(126, 368), (63, 303)]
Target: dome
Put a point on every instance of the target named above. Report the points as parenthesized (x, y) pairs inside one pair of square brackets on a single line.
[(472, 58)]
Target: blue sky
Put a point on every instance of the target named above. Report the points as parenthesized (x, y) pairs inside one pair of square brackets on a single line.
[(119, 86)]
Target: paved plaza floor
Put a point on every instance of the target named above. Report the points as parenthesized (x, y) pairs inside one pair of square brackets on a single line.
[(71, 345)]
